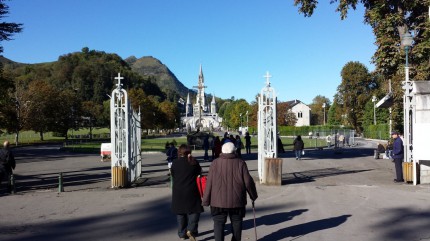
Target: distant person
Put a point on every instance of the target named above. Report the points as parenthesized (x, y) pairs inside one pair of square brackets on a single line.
[(212, 147), (299, 145), (328, 140), (397, 155), (280, 145), (206, 147), (186, 200), (7, 165), (225, 139), (172, 154), (232, 139), (248, 143), (217, 147), (238, 146), (342, 140), (227, 184)]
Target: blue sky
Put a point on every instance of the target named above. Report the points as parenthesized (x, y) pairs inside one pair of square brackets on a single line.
[(235, 41)]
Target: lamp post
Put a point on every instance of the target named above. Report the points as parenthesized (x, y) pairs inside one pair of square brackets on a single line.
[(407, 101), (240, 120), (374, 99), (323, 106), (247, 121)]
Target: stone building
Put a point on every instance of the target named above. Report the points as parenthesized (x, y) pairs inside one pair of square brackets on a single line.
[(201, 114)]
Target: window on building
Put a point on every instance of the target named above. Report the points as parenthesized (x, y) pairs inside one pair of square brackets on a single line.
[(300, 115)]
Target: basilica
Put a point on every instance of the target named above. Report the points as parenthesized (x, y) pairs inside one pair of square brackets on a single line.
[(201, 114)]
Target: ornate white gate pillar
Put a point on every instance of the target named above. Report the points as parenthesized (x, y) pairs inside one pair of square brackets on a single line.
[(267, 128), (125, 138)]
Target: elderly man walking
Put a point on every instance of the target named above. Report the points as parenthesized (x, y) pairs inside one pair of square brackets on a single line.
[(7, 164), (397, 156), (227, 184)]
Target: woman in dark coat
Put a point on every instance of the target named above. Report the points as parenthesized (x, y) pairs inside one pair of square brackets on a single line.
[(217, 147), (186, 201), (299, 145)]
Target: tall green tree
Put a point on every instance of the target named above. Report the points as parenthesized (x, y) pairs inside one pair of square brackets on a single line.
[(7, 30), (317, 110), (354, 92), (390, 20), (334, 116)]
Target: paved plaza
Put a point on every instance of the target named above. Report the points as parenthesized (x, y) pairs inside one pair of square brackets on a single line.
[(328, 195)]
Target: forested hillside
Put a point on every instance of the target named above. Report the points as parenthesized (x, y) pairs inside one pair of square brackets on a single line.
[(74, 91)]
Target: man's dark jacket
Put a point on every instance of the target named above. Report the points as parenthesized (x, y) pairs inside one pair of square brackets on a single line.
[(7, 160), (397, 148)]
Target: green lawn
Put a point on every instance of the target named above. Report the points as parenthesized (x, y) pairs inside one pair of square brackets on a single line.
[(148, 144)]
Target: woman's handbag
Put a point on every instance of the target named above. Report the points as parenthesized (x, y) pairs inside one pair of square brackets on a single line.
[(201, 184)]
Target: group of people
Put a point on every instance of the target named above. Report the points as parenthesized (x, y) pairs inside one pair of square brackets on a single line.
[(228, 182), (216, 143)]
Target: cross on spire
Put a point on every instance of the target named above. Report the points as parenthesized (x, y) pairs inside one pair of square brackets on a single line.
[(267, 76), (119, 78)]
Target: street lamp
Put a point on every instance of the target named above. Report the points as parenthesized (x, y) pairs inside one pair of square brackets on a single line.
[(240, 117), (374, 99), (246, 120), (323, 106), (407, 102)]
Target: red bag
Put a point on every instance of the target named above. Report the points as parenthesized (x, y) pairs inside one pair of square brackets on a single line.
[(201, 184)]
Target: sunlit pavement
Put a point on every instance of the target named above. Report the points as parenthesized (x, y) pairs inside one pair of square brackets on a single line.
[(328, 195)]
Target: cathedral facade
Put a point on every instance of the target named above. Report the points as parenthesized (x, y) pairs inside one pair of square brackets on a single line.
[(201, 114)]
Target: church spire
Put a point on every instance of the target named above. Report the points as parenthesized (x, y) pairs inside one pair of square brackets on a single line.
[(213, 105)]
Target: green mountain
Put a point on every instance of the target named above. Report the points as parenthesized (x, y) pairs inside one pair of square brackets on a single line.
[(149, 66)]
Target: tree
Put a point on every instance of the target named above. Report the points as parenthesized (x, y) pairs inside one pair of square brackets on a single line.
[(91, 111), (354, 92), (7, 30), (389, 21), (169, 111), (334, 116), (317, 111), (284, 115), (43, 99)]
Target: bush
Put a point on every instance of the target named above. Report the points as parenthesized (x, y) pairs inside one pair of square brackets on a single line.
[(380, 131)]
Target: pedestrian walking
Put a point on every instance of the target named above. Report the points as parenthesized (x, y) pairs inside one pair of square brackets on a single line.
[(206, 147), (227, 184), (248, 143), (172, 154), (280, 145), (217, 147), (7, 165), (238, 146), (186, 200), (299, 145), (397, 155)]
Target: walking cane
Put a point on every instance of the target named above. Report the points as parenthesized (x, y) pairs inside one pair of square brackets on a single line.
[(255, 224)]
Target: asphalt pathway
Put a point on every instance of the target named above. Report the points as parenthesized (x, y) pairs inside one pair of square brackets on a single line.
[(328, 195)]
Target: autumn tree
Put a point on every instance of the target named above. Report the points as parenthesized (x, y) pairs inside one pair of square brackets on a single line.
[(43, 99), (91, 113), (284, 115), (169, 111)]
